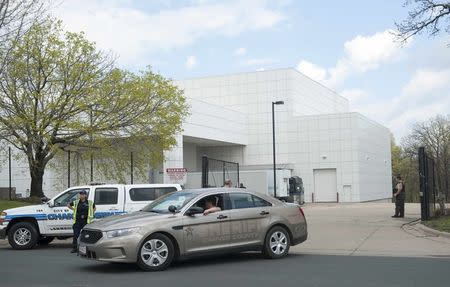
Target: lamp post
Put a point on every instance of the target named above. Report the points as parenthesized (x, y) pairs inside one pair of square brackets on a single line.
[(274, 157)]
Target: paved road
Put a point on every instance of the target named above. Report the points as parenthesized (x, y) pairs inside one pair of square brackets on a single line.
[(56, 267), (348, 245)]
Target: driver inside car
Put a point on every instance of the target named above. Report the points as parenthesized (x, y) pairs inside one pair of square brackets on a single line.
[(210, 206)]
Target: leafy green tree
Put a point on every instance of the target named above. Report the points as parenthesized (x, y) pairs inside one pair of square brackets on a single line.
[(434, 135), (405, 165), (16, 16), (61, 93)]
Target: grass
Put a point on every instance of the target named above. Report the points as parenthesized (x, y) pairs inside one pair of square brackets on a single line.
[(6, 204), (442, 223)]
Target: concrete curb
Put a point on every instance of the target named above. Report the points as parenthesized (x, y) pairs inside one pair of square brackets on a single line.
[(433, 231)]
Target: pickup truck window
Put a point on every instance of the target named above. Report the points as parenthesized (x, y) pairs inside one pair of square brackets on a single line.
[(106, 196), (68, 197), (149, 193)]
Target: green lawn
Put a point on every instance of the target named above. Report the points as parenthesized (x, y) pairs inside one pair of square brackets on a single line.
[(441, 223), (6, 204)]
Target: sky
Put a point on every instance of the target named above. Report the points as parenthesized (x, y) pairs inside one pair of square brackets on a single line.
[(347, 45)]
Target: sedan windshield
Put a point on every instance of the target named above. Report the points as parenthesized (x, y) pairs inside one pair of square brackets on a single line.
[(177, 199)]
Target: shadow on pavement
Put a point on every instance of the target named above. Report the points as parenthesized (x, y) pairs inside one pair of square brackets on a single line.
[(106, 268)]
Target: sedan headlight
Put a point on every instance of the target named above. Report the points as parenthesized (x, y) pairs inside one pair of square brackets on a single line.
[(121, 232), (2, 217)]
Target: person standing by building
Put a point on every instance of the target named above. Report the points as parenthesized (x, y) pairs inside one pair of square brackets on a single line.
[(228, 183), (83, 213), (400, 194)]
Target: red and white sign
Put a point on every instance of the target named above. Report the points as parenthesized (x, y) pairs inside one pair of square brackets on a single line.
[(176, 173), (176, 169)]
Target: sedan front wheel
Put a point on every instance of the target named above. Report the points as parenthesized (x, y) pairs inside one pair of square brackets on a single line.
[(156, 253)]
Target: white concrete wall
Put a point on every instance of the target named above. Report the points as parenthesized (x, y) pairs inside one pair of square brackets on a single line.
[(374, 154), (210, 121), (323, 142), (314, 129)]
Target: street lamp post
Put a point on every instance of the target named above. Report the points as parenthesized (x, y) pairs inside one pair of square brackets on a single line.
[(274, 157)]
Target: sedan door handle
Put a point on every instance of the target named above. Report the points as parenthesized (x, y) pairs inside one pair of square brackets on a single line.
[(222, 216), (264, 212)]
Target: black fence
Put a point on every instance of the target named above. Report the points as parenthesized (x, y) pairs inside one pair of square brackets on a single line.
[(427, 180), (215, 172)]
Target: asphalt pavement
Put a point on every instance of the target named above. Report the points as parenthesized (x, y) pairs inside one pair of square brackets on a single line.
[(55, 266), (348, 245)]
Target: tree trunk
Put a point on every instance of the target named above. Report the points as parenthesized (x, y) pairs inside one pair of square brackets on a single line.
[(37, 176)]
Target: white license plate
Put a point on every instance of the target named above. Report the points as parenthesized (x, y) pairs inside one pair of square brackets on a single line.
[(82, 250)]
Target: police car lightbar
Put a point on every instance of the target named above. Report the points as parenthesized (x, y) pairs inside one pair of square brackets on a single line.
[(96, 183)]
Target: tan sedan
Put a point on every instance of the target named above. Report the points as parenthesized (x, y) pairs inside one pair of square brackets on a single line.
[(196, 222)]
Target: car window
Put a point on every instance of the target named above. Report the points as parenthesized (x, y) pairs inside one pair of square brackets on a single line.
[(106, 195), (218, 199), (68, 197), (177, 199), (259, 202), (246, 200), (149, 193)]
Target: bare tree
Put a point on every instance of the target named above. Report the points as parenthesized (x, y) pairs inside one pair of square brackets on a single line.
[(427, 15)]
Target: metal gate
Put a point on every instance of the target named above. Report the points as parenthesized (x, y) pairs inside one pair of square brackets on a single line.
[(427, 179), (215, 172)]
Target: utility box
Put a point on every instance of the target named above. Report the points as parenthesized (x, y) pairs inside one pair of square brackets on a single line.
[(262, 181), (296, 190)]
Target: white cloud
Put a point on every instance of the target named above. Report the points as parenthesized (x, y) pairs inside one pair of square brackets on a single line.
[(240, 51), (362, 53), (311, 70), (132, 33), (427, 81), (426, 94), (366, 53), (191, 61)]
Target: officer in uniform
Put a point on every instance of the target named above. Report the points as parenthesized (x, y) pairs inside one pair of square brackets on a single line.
[(400, 194), (83, 213)]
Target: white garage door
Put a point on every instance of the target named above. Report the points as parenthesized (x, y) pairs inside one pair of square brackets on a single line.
[(325, 185)]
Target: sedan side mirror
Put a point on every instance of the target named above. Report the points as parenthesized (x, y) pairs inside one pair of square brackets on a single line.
[(172, 208), (44, 199), (194, 210)]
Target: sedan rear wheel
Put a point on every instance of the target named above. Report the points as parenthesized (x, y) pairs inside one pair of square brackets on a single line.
[(156, 253), (277, 243)]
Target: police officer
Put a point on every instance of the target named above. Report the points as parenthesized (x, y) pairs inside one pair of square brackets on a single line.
[(400, 194), (83, 213)]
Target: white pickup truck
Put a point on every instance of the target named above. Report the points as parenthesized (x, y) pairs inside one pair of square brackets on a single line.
[(40, 224)]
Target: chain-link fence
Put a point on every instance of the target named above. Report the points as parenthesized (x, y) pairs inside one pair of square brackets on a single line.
[(215, 172)]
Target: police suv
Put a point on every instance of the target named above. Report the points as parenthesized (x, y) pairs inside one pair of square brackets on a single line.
[(40, 224)]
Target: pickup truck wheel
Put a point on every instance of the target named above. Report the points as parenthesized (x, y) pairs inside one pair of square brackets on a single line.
[(277, 243), (45, 240), (156, 253), (23, 235)]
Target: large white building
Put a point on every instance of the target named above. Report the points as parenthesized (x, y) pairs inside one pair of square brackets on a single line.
[(340, 155)]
